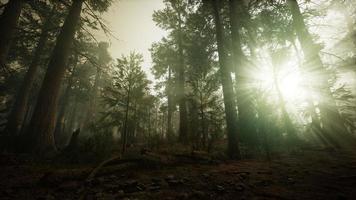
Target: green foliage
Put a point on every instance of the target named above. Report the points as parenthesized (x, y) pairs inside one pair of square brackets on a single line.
[(129, 87)]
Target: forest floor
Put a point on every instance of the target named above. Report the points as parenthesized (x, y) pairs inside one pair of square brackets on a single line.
[(312, 174)]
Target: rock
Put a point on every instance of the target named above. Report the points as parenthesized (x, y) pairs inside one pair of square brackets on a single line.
[(131, 182), (185, 180), (243, 175), (154, 188), (174, 182), (205, 175), (230, 182), (120, 193), (155, 184), (170, 177), (291, 180), (141, 187), (220, 188)]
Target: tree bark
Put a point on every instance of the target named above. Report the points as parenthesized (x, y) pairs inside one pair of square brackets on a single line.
[(16, 117), (233, 150), (244, 100), (170, 106), (60, 124), (8, 24), (124, 132), (332, 122), (42, 125), (183, 122)]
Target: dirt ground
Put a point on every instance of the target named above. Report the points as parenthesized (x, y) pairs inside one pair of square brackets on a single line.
[(307, 175)]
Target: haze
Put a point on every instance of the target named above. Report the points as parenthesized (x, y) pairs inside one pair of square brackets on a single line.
[(132, 25)]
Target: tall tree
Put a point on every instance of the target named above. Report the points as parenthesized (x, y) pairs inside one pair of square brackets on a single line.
[(170, 104), (240, 63), (183, 120), (331, 120), (128, 88), (165, 62), (102, 57), (233, 150), (8, 25), (42, 125), (18, 112), (172, 18)]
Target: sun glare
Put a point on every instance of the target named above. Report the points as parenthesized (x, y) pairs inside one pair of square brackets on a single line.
[(290, 83), (289, 80)]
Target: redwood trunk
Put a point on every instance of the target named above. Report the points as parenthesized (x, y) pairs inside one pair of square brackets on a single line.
[(16, 117), (42, 125), (8, 24)]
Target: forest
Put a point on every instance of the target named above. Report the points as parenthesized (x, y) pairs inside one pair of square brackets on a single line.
[(242, 99)]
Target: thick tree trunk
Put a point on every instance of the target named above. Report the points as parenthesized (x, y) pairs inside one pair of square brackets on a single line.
[(183, 122), (42, 125), (332, 122), (18, 112), (244, 100), (228, 91), (8, 24)]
